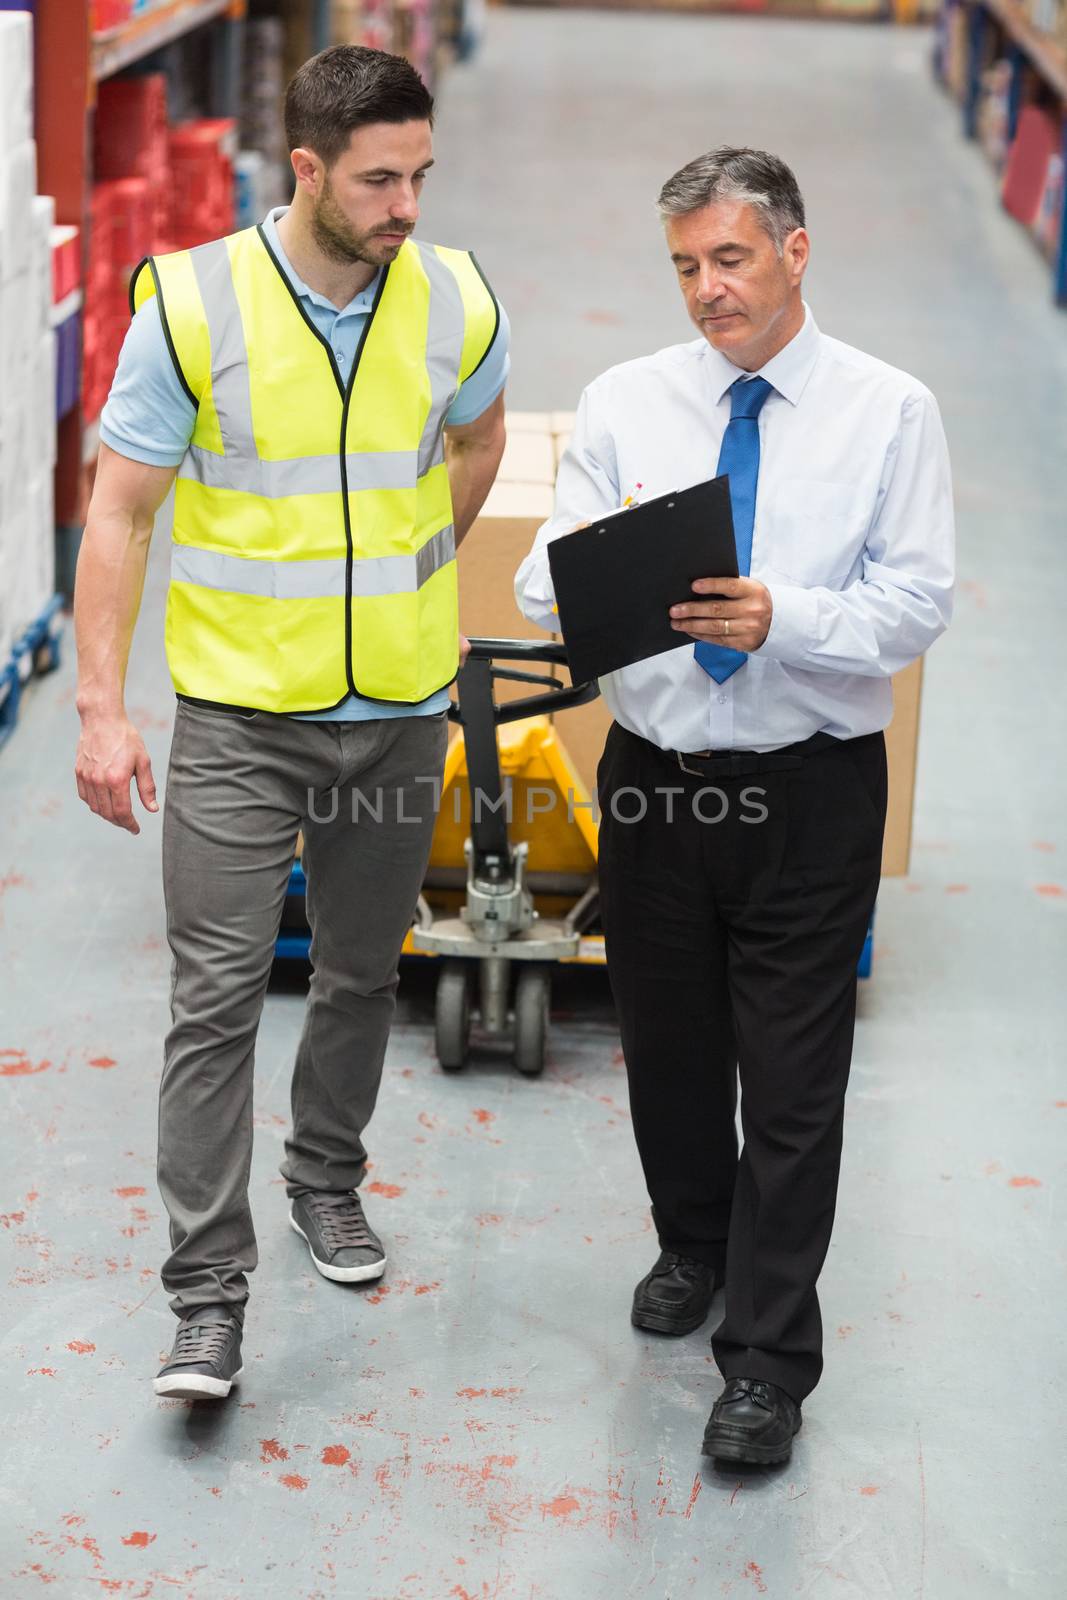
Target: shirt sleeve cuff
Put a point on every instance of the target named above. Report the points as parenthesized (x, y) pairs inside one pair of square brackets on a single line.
[(458, 417), (138, 452), (793, 618)]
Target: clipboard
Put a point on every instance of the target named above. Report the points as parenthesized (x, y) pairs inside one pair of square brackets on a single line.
[(616, 580)]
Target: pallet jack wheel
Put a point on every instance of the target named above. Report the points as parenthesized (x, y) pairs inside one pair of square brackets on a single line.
[(452, 1015), (531, 1018)]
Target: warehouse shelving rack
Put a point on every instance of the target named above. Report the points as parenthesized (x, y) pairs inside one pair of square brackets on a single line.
[(70, 61), (1002, 27)]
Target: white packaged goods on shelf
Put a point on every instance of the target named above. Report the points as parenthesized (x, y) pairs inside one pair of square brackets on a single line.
[(14, 467), (18, 188), (42, 441), (44, 219), (19, 336), (36, 579), (16, 78)]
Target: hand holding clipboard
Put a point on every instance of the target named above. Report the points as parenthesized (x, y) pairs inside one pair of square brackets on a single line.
[(616, 580)]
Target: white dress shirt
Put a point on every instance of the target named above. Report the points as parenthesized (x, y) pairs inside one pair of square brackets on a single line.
[(853, 535)]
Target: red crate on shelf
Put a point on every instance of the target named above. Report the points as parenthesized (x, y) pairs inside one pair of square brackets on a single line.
[(66, 262), (107, 14), (131, 140), (202, 182)]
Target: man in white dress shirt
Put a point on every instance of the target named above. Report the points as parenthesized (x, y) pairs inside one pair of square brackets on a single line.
[(743, 785)]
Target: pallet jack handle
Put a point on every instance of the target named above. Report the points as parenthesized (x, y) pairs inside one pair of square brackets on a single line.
[(479, 716)]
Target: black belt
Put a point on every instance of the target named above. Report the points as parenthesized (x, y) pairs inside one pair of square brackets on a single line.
[(745, 763)]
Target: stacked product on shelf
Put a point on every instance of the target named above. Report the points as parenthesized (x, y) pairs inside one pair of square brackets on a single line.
[(202, 155), (27, 399), (158, 188), (1005, 61)]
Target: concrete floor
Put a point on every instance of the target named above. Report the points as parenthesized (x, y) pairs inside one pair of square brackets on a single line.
[(486, 1425)]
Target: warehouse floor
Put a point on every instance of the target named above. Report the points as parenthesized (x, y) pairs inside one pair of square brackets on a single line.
[(486, 1425)]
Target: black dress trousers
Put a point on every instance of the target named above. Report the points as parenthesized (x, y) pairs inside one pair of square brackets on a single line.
[(735, 910)]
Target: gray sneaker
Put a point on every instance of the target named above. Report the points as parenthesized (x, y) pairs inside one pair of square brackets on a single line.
[(343, 1247), (206, 1358)]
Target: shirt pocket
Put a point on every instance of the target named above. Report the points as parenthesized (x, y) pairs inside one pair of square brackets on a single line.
[(814, 530)]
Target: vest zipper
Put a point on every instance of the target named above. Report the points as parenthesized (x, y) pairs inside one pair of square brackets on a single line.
[(344, 481)]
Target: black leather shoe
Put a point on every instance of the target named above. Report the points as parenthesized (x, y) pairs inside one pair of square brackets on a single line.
[(752, 1421), (676, 1295)]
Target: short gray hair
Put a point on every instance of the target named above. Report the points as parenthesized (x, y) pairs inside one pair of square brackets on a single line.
[(752, 176)]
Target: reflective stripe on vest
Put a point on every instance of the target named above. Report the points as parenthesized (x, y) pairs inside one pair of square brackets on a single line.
[(312, 580)]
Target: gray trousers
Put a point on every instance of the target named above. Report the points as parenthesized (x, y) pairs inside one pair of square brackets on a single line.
[(239, 788)]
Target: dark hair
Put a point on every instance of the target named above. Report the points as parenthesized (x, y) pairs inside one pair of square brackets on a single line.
[(754, 176), (346, 87)]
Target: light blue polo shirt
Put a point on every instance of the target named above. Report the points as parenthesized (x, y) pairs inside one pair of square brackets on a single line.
[(149, 417)]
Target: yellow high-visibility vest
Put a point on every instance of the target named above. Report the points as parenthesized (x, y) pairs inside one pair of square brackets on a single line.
[(313, 553)]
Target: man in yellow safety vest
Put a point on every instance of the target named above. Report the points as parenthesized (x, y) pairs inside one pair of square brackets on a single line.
[(325, 394)]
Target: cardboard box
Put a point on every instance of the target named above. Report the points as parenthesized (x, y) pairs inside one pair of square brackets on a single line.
[(489, 557), (529, 422), (902, 744), (528, 458)]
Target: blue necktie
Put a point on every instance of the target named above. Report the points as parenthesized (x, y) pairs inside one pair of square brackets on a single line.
[(739, 457)]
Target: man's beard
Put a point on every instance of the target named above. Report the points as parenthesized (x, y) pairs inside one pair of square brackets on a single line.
[(337, 239)]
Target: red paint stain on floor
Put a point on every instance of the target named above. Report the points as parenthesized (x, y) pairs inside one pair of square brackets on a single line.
[(271, 1450), (17, 1064), (488, 1219), (471, 1394), (844, 1330), (379, 1295), (426, 1288), (140, 1541), (81, 1347), (335, 1455), (869, 1488), (1060, 1103), (214, 1490), (957, 888), (1025, 1183), (12, 1216), (103, 1062), (484, 1117), (1051, 891), (390, 1191), (132, 1189), (755, 1574), (1044, 845), (293, 1480), (562, 1506), (42, 1372)]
